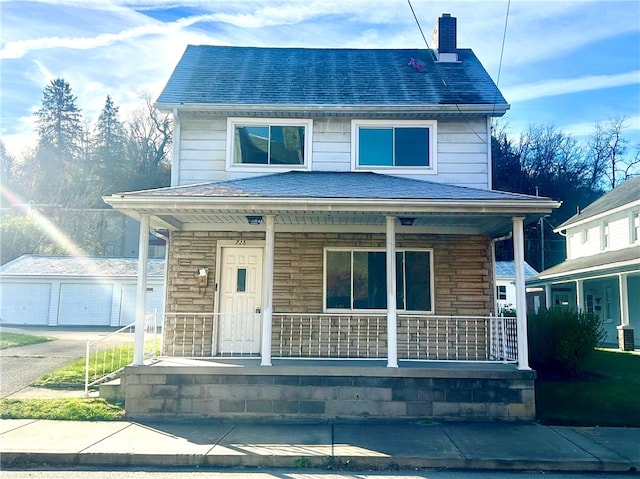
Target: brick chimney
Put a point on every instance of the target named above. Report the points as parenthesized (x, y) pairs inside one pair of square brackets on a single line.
[(444, 38)]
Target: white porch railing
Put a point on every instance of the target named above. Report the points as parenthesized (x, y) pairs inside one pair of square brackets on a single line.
[(336, 336), (107, 356), (457, 338)]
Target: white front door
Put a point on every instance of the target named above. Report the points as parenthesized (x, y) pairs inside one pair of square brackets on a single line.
[(240, 301)]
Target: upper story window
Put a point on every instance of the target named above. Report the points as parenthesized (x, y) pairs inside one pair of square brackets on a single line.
[(584, 236), (255, 144), (635, 226), (400, 145), (606, 236)]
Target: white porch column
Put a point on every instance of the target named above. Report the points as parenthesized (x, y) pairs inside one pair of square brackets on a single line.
[(267, 290), (521, 296), (547, 296), (141, 291), (392, 326), (624, 299), (580, 295)]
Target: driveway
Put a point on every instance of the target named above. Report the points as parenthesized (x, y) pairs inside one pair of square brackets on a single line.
[(20, 366)]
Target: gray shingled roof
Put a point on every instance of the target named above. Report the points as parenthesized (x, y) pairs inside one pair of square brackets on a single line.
[(598, 262), (325, 184), (621, 195), (507, 269), (222, 75), (32, 265)]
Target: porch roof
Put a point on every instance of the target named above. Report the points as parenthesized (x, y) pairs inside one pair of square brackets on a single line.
[(331, 198), (609, 262)]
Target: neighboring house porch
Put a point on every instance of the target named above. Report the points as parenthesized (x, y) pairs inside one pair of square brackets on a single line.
[(607, 284)]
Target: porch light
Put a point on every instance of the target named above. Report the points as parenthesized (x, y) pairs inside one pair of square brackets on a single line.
[(254, 220), (407, 221)]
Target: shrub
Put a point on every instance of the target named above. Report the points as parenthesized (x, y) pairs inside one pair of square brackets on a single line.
[(561, 339)]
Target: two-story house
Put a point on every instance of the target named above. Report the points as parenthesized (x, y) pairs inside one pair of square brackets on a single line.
[(602, 272), (335, 205)]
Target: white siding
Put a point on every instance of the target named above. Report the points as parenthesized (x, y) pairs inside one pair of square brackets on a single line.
[(619, 234), (462, 157)]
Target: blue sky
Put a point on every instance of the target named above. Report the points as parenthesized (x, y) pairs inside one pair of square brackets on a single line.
[(566, 63)]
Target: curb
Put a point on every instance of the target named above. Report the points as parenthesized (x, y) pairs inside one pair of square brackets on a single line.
[(20, 460)]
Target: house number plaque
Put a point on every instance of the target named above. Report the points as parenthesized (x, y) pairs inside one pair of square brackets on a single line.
[(241, 242)]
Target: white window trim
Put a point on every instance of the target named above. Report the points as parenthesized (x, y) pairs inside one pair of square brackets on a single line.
[(251, 168), (605, 236), (634, 235), (432, 125), (374, 311), (584, 236)]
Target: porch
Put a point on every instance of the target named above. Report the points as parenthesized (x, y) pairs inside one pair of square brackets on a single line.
[(334, 366)]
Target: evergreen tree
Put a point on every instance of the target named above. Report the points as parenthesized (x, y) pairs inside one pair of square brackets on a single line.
[(109, 148), (59, 128)]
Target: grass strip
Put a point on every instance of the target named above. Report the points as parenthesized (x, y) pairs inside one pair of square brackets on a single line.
[(11, 340), (606, 394), (102, 363), (67, 409)]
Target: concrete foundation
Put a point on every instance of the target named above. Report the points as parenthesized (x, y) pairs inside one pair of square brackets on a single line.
[(320, 389)]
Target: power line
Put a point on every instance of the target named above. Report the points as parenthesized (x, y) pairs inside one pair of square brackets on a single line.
[(437, 67), (504, 38)]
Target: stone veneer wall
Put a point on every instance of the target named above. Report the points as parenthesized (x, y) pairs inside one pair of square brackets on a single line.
[(329, 392), (462, 271)]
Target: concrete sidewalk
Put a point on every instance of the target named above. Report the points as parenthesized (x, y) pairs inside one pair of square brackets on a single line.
[(339, 444)]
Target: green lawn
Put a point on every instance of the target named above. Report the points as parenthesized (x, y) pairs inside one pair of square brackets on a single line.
[(70, 409), (9, 340), (607, 394)]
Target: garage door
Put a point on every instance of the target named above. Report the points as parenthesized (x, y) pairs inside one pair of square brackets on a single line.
[(22, 303), (153, 301), (85, 304)]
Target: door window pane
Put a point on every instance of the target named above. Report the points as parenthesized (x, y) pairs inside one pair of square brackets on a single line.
[(241, 283)]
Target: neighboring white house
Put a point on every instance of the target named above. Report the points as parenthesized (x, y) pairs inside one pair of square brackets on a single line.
[(602, 270), (506, 284), (76, 291)]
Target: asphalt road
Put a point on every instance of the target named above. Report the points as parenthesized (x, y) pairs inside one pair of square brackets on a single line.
[(20, 366), (297, 474)]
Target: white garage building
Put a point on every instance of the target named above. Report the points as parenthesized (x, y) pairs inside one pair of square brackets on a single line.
[(76, 291)]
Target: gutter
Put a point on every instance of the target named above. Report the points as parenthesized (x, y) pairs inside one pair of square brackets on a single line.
[(429, 109)]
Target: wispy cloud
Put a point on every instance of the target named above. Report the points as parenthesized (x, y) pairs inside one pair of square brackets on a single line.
[(563, 86)]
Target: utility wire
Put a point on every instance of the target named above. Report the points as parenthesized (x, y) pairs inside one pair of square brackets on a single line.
[(435, 61), (504, 38)]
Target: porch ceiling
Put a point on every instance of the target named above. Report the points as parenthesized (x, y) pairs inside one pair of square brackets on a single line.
[(491, 223)]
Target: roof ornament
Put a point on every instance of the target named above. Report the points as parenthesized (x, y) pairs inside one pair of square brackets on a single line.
[(417, 64)]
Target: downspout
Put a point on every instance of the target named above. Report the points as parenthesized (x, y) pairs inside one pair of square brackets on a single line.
[(175, 163), (493, 268), (156, 233)]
